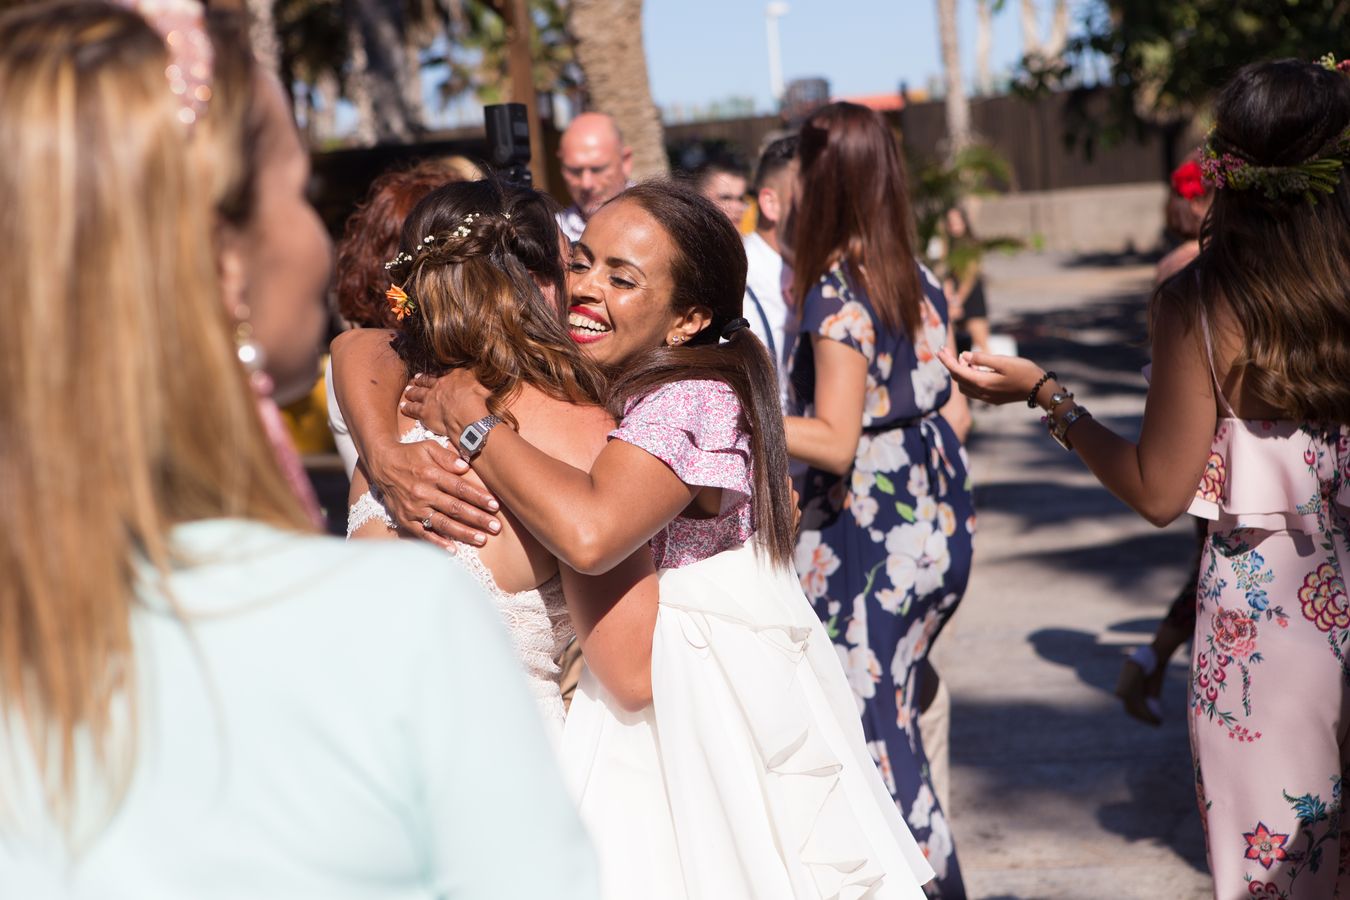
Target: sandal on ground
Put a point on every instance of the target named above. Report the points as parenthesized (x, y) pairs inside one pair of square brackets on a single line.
[(1132, 686)]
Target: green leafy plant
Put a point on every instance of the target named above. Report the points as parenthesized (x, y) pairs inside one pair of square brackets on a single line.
[(976, 170)]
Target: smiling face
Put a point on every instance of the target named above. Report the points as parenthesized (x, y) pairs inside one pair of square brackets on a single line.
[(620, 287)]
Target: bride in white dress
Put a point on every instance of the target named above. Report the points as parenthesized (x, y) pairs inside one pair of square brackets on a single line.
[(475, 272)]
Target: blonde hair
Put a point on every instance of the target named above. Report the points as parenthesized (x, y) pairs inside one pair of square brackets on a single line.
[(113, 315)]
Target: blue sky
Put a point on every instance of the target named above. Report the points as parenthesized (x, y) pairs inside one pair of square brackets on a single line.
[(699, 51), (702, 51)]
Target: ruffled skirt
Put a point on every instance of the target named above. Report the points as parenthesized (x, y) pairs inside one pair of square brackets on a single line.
[(748, 776)]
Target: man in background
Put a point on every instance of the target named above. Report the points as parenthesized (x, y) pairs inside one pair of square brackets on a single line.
[(724, 184), (596, 165), (765, 305)]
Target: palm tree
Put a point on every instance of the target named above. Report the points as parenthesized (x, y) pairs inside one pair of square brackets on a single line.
[(1059, 32), (1047, 53), (958, 104), (1031, 29), (312, 50), (608, 36), (377, 39), (984, 45), (478, 52)]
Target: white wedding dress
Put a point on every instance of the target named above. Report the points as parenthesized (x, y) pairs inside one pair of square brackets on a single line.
[(536, 620), (748, 777)]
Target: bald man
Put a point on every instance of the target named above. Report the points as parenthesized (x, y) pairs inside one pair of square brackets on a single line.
[(596, 165)]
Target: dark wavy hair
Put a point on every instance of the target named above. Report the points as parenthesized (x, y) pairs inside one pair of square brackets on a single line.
[(476, 290), (708, 270), (370, 239), (1280, 265), (855, 197)]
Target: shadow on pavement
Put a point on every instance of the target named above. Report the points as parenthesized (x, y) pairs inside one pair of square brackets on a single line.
[(1046, 502), (1110, 333), (1136, 820), (1049, 760), (1125, 563), (1113, 260)]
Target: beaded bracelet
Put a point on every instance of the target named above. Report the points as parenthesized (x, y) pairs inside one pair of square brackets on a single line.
[(1031, 398)]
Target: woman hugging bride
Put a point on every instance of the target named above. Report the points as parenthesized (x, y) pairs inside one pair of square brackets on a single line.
[(714, 747)]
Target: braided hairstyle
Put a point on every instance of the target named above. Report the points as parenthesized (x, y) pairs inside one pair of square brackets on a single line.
[(482, 266)]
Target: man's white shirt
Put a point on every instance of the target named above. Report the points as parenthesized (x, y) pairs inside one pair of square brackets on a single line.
[(765, 308), (571, 223)]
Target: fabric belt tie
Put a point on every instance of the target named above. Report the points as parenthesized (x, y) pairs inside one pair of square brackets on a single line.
[(935, 447)]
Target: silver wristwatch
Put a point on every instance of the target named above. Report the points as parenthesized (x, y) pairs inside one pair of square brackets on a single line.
[(474, 436)]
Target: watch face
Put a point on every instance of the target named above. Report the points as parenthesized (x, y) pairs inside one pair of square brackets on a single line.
[(472, 438)]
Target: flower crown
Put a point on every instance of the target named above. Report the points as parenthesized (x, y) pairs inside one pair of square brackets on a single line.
[(1318, 174), (400, 303)]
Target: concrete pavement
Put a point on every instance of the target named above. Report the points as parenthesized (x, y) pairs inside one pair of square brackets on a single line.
[(1057, 794)]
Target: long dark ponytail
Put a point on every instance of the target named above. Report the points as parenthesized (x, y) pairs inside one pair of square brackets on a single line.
[(708, 270)]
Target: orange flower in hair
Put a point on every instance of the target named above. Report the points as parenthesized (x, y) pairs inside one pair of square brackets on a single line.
[(399, 301)]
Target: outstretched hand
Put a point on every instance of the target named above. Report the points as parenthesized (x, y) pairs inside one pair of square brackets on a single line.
[(990, 378)]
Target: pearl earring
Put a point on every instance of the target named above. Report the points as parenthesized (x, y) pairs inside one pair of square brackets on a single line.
[(250, 352)]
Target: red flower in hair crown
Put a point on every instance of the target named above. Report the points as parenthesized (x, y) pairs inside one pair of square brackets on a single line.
[(1188, 181)]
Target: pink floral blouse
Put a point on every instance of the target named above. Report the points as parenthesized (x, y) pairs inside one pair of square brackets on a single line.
[(695, 428)]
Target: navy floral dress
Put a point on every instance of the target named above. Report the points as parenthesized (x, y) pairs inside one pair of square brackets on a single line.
[(884, 551)]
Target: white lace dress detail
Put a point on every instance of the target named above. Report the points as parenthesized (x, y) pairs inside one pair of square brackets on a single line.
[(536, 619)]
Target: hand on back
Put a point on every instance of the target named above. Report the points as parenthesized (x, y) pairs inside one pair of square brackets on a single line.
[(423, 484)]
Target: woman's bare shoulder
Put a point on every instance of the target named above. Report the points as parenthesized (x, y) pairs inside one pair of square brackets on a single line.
[(1179, 258), (570, 432)]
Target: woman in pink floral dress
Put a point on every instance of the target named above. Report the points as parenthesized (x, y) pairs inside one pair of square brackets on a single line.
[(1250, 397)]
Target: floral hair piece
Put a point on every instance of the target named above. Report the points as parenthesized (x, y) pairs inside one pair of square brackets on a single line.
[(1188, 182), (400, 303), (462, 231), (465, 229), (399, 260), (181, 23), (1330, 62), (1318, 174)]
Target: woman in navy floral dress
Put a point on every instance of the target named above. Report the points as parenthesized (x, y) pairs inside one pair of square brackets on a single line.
[(885, 544)]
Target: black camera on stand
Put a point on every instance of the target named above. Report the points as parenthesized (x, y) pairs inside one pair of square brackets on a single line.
[(508, 141)]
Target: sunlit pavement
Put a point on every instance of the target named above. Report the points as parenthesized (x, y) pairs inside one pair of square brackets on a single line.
[(1056, 792)]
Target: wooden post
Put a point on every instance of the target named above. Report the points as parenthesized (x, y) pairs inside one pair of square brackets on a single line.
[(520, 68)]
